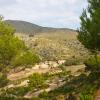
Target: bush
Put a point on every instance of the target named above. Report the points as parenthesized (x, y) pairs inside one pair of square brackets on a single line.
[(5, 28), (3, 80), (87, 93), (27, 58), (91, 64), (17, 91), (72, 61), (44, 95), (86, 97), (36, 80), (9, 47), (6, 98)]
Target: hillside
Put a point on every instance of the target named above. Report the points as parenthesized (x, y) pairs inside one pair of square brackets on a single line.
[(30, 28), (50, 43), (46, 63)]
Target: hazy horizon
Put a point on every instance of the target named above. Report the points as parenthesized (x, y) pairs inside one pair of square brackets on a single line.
[(46, 13)]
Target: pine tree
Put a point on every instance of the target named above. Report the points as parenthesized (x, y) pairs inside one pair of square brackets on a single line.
[(89, 32)]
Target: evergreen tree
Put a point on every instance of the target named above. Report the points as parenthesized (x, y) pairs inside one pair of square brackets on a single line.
[(9, 44), (89, 32)]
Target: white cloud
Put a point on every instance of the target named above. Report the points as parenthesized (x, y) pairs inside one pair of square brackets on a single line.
[(54, 13)]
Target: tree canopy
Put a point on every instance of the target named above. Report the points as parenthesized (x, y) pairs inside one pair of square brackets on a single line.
[(89, 32), (12, 49), (5, 28)]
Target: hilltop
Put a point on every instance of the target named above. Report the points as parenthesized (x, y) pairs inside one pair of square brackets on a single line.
[(30, 28)]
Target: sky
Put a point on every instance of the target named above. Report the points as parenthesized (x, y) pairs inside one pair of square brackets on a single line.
[(48, 13)]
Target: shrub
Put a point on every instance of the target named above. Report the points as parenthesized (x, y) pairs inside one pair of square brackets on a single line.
[(17, 91), (87, 93), (86, 97), (27, 58), (72, 61), (44, 95), (9, 47), (91, 64), (5, 28), (36, 80), (3, 80)]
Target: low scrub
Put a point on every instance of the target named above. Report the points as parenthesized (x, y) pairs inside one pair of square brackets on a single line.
[(27, 58), (87, 93), (72, 61), (93, 64), (37, 80), (3, 80), (17, 91)]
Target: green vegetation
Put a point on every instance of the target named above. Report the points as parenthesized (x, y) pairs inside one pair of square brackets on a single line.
[(45, 41), (89, 36), (16, 91), (36, 80), (89, 32), (5, 28), (91, 64), (3, 80), (87, 93), (44, 95), (9, 47), (12, 50), (14, 53), (88, 82), (25, 59), (72, 61)]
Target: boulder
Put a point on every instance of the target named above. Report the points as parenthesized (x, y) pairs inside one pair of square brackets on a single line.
[(61, 62)]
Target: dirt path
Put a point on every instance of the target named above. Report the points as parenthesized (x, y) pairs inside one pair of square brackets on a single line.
[(26, 73), (52, 86), (56, 84), (75, 70)]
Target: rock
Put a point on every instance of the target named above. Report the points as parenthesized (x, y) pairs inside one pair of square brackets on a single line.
[(61, 61)]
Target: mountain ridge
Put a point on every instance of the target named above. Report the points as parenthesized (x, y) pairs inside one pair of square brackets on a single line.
[(30, 28)]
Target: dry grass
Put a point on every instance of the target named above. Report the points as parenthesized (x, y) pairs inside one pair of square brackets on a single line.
[(55, 45)]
